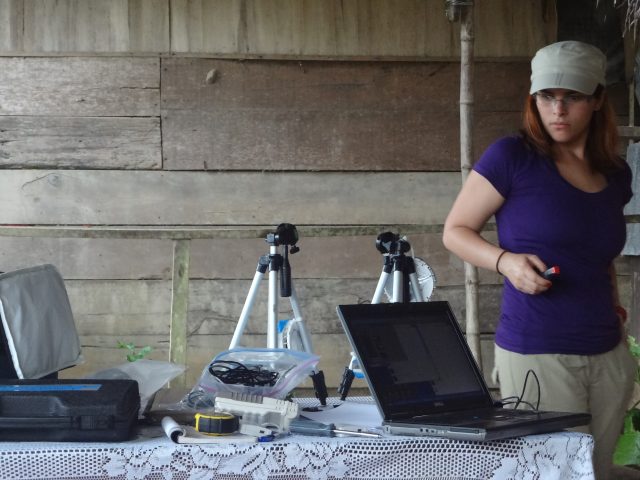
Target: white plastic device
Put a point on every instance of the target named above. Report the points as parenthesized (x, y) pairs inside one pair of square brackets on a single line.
[(257, 410)]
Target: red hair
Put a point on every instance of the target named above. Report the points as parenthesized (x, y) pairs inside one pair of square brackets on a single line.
[(602, 139)]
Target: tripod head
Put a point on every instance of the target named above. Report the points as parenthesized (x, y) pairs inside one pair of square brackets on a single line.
[(393, 248), (286, 234), (391, 243)]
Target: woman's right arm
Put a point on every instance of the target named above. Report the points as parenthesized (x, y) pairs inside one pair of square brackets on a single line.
[(477, 201)]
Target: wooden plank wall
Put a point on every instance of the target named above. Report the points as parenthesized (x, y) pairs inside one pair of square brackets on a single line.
[(241, 113), (362, 28)]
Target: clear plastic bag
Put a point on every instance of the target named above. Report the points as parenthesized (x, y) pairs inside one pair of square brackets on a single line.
[(288, 368), (151, 376)]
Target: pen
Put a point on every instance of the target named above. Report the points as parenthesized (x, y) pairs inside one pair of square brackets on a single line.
[(357, 433)]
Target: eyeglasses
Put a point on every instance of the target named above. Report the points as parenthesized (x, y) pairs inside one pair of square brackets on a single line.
[(547, 100)]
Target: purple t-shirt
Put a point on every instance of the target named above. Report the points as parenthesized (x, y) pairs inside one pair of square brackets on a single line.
[(580, 232)]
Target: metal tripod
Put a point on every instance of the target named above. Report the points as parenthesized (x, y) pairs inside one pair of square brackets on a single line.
[(285, 236), (393, 249), (405, 280)]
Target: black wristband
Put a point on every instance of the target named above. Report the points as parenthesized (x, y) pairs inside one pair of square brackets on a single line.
[(498, 262)]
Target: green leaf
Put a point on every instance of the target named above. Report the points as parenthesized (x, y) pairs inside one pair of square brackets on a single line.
[(128, 346), (634, 347), (628, 449), (145, 350), (132, 356)]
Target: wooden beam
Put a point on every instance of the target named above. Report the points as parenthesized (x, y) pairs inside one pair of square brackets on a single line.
[(627, 131), (125, 197), (179, 307), (177, 232)]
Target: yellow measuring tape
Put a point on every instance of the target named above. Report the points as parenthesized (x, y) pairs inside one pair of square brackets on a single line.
[(219, 423)]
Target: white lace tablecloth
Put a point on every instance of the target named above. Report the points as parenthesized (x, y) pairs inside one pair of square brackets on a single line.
[(564, 455)]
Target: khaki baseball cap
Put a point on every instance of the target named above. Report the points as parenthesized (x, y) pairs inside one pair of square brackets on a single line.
[(572, 65)]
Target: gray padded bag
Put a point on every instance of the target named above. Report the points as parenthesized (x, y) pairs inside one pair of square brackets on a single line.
[(37, 321)]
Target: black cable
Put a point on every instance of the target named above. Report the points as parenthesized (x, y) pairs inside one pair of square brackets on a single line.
[(516, 401), (231, 372), (524, 387), (199, 400)]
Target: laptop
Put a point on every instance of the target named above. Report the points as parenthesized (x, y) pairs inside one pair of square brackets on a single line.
[(425, 381)]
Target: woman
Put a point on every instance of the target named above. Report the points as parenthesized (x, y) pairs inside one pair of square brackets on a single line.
[(557, 192)]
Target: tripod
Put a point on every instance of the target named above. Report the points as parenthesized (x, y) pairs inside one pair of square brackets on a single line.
[(278, 265), (405, 284), (393, 249)]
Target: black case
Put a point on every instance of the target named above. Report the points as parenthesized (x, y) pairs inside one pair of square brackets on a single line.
[(68, 410)]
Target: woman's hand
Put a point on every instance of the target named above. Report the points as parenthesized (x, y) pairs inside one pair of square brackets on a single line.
[(523, 271)]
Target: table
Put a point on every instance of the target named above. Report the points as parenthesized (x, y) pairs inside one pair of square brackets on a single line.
[(561, 456)]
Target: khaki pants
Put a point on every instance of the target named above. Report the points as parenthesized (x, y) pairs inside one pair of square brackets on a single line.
[(597, 384)]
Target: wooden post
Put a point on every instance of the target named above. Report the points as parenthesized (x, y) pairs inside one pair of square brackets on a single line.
[(466, 162), (630, 51), (179, 306)]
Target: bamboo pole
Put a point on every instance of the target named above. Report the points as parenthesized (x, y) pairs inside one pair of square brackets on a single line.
[(466, 161)]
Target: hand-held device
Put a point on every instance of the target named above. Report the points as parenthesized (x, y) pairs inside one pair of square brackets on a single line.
[(551, 273)]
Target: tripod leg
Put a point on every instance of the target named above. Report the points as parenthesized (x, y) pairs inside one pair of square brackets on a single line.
[(415, 287), (319, 385), (272, 309), (387, 266), (402, 268), (345, 383), (377, 295), (248, 305), (410, 268), (398, 286), (297, 315)]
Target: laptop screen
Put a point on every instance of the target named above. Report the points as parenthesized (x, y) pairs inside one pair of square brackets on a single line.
[(415, 358)]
